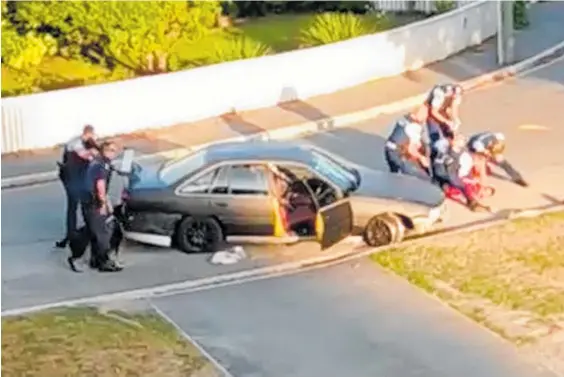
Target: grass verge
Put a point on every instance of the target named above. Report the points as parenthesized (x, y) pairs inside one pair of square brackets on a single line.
[(86, 342), (510, 278)]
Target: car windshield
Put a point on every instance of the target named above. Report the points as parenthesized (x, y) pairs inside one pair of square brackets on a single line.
[(177, 169), (333, 170)]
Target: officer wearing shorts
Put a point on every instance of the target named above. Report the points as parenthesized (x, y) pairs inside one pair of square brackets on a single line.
[(403, 148), (491, 145), (98, 209)]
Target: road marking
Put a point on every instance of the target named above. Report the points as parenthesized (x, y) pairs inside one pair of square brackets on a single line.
[(533, 127)]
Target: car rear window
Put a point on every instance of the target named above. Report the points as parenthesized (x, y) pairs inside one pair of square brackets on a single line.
[(176, 170)]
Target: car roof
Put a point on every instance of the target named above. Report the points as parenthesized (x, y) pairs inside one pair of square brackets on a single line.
[(259, 150)]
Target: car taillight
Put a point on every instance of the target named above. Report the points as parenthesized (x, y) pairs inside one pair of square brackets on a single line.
[(124, 195)]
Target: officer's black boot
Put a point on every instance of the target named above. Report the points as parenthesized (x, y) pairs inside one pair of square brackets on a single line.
[(109, 266), (62, 243), (72, 265)]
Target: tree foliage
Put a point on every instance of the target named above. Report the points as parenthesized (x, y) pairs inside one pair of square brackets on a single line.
[(134, 34), (262, 8), (23, 49)]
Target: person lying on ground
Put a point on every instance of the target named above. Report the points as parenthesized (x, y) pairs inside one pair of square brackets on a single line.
[(446, 165)]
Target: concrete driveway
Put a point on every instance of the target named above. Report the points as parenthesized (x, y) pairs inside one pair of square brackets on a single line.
[(527, 110)]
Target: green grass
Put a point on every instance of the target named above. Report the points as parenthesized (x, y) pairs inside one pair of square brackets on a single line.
[(279, 33), (513, 270), (85, 342)]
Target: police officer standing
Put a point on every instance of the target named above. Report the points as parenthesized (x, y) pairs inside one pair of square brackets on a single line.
[(442, 106), (98, 209), (77, 154), (405, 147), (490, 147)]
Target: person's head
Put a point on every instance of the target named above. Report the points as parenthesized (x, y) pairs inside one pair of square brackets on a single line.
[(454, 90), (88, 132), (109, 150), (498, 146), (458, 142)]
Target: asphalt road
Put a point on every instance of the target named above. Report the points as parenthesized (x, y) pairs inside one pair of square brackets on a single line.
[(349, 320), (33, 217)]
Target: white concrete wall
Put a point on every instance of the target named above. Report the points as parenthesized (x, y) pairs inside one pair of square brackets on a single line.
[(47, 119)]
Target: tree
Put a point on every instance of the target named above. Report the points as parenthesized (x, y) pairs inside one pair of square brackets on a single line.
[(134, 34)]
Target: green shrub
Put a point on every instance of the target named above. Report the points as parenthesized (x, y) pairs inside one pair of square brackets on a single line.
[(520, 17), (443, 6), (237, 48), (24, 51), (333, 27)]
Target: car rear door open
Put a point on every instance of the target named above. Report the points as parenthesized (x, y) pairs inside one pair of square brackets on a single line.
[(334, 223)]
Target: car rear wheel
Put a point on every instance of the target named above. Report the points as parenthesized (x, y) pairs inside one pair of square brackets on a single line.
[(199, 235), (383, 229)]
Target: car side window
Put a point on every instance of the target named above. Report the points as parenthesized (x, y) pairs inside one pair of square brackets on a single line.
[(201, 185), (248, 180), (221, 184)]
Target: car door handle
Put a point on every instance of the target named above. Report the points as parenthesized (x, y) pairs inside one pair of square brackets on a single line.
[(220, 204)]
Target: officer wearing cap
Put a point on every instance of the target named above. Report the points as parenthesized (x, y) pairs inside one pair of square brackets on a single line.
[(442, 105), (98, 209), (77, 153), (490, 147), (404, 147)]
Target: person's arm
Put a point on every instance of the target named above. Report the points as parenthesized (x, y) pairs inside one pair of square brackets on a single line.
[(414, 133), (437, 102), (78, 147)]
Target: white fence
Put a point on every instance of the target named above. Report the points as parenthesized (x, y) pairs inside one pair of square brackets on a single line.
[(46, 119)]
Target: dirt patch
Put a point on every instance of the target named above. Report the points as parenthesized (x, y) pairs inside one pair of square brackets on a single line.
[(91, 342), (509, 278)]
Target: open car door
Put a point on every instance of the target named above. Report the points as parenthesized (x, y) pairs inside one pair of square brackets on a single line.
[(334, 223)]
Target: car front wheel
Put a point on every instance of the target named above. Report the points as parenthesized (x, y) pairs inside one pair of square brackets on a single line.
[(199, 235), (383, 229)]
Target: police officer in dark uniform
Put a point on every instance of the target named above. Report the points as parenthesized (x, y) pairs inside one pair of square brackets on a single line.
[(98, 209), (442, 105), (491, 145), (77, 154), (446, 166), (404, 148)]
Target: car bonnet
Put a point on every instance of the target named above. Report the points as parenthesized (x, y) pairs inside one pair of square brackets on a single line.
[(379, 184)]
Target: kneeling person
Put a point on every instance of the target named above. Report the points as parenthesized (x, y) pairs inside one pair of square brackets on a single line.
[(447, 168), (404, 148), (489, 148)]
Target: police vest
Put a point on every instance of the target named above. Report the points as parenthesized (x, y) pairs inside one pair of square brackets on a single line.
[(89, 189), (486, 138), (398, 135)]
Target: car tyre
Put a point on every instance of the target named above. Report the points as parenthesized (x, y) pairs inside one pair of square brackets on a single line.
[(199, 235), (384, 229)]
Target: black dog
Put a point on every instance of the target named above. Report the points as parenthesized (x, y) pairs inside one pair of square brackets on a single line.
[(80, 239)]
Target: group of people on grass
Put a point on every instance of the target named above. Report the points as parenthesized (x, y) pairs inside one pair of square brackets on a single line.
[(426, 143)]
